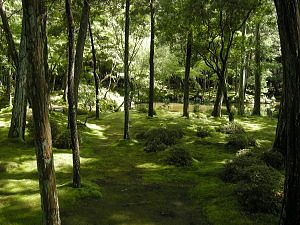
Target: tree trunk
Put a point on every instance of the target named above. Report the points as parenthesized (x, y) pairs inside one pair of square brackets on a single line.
[(288, 26), (243, 74), (187, 74), (80, 46), (126, 73), (217, 110), (18, 119), (35, 44), (71, 98), (151, 61), (96, 78), (258, 71)]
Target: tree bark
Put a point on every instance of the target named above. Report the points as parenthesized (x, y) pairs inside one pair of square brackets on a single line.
[(187, 74), (96, 78), (243, 74), (80, 46), (217, 110), (71, 98), (288, 25), (126, 73), (33, 12), (151, 60), (258, 71)]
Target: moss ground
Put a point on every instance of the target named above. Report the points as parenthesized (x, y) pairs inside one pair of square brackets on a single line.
[(122, 184)]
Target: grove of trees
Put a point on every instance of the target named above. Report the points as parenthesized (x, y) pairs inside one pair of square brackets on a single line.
[(185, 51)]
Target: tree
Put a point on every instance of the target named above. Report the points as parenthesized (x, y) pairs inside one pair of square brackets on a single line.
[(186, 98), (18, 120), (288, 26), (34, 13), (151, 59), (71, 98), (126, 72)]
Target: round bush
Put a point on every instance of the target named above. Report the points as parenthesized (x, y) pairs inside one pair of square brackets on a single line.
[(63, 141), (231, 128), (155, 146), (233, 169), (203, 132), (240, 141), (179, 156), (273, 158), (260, 189)]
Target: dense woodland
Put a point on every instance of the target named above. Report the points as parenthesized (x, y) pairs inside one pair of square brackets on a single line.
[(92, 86)]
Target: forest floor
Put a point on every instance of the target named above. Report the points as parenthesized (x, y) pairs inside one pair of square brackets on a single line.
[(124, 185)]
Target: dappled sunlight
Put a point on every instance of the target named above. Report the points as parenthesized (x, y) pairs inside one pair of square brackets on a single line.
[(150, 166), (97, 130), (13, 186)]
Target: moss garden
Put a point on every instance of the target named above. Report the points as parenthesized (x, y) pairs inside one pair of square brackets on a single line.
[(173, 170)]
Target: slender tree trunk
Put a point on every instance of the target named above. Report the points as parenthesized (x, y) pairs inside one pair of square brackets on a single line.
[(80, 46), (258, 71), (151, 61), (71, 98), (96, 78), (8, 87), (243, 74), (18, 119), (288, 26), (34, 13), (187, 74), (217, 110), (126, 73)]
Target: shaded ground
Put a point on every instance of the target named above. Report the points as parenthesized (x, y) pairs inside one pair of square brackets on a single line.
[(129, 201)]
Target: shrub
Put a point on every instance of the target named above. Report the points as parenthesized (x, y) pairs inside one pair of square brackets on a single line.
[(203, 132), (63, 141), (179, 156), (273, 158), (155, 146), (233, 169), (231, 128), (260, 189), (240, 141)]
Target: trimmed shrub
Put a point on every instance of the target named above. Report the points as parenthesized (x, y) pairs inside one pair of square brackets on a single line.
[(155, 146), (260, 189), (273, 158), (234, 169), (203, 132), (179, 156), (64, 140), (240, 141), (231, 128)]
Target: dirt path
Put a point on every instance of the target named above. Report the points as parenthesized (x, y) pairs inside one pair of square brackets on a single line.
[(129, 202)]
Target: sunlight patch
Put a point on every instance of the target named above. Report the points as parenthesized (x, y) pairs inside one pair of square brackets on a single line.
[(149, 166), (17, 186), (97, 129)]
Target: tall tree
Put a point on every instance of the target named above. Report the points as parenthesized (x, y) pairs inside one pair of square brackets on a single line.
[(18, 120), (71, 97), (151, 59), (258, 70), (288, 25), (34, 13), (96, 77), (126, 72), (188, 58)]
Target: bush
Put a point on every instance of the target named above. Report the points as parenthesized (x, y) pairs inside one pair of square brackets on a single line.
[(55, 128), (260, 189), (234, 169), (273, 158), (231, 128), (179, 156), (159, 138), (240, 141), (64, 140), (203, 132)]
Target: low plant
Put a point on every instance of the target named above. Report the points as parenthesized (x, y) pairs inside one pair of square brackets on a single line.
[(240, 140), (260, 189), (178, 156), (203, 132), (63, 141), (231, 128), (273, 158)]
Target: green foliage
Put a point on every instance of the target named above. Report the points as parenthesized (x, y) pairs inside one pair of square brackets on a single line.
[(234, 169), (178, 156), (159, 138), (204, 132), (240, 141), (260, 189), (63, 141), (273, 158), (231, 128)]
